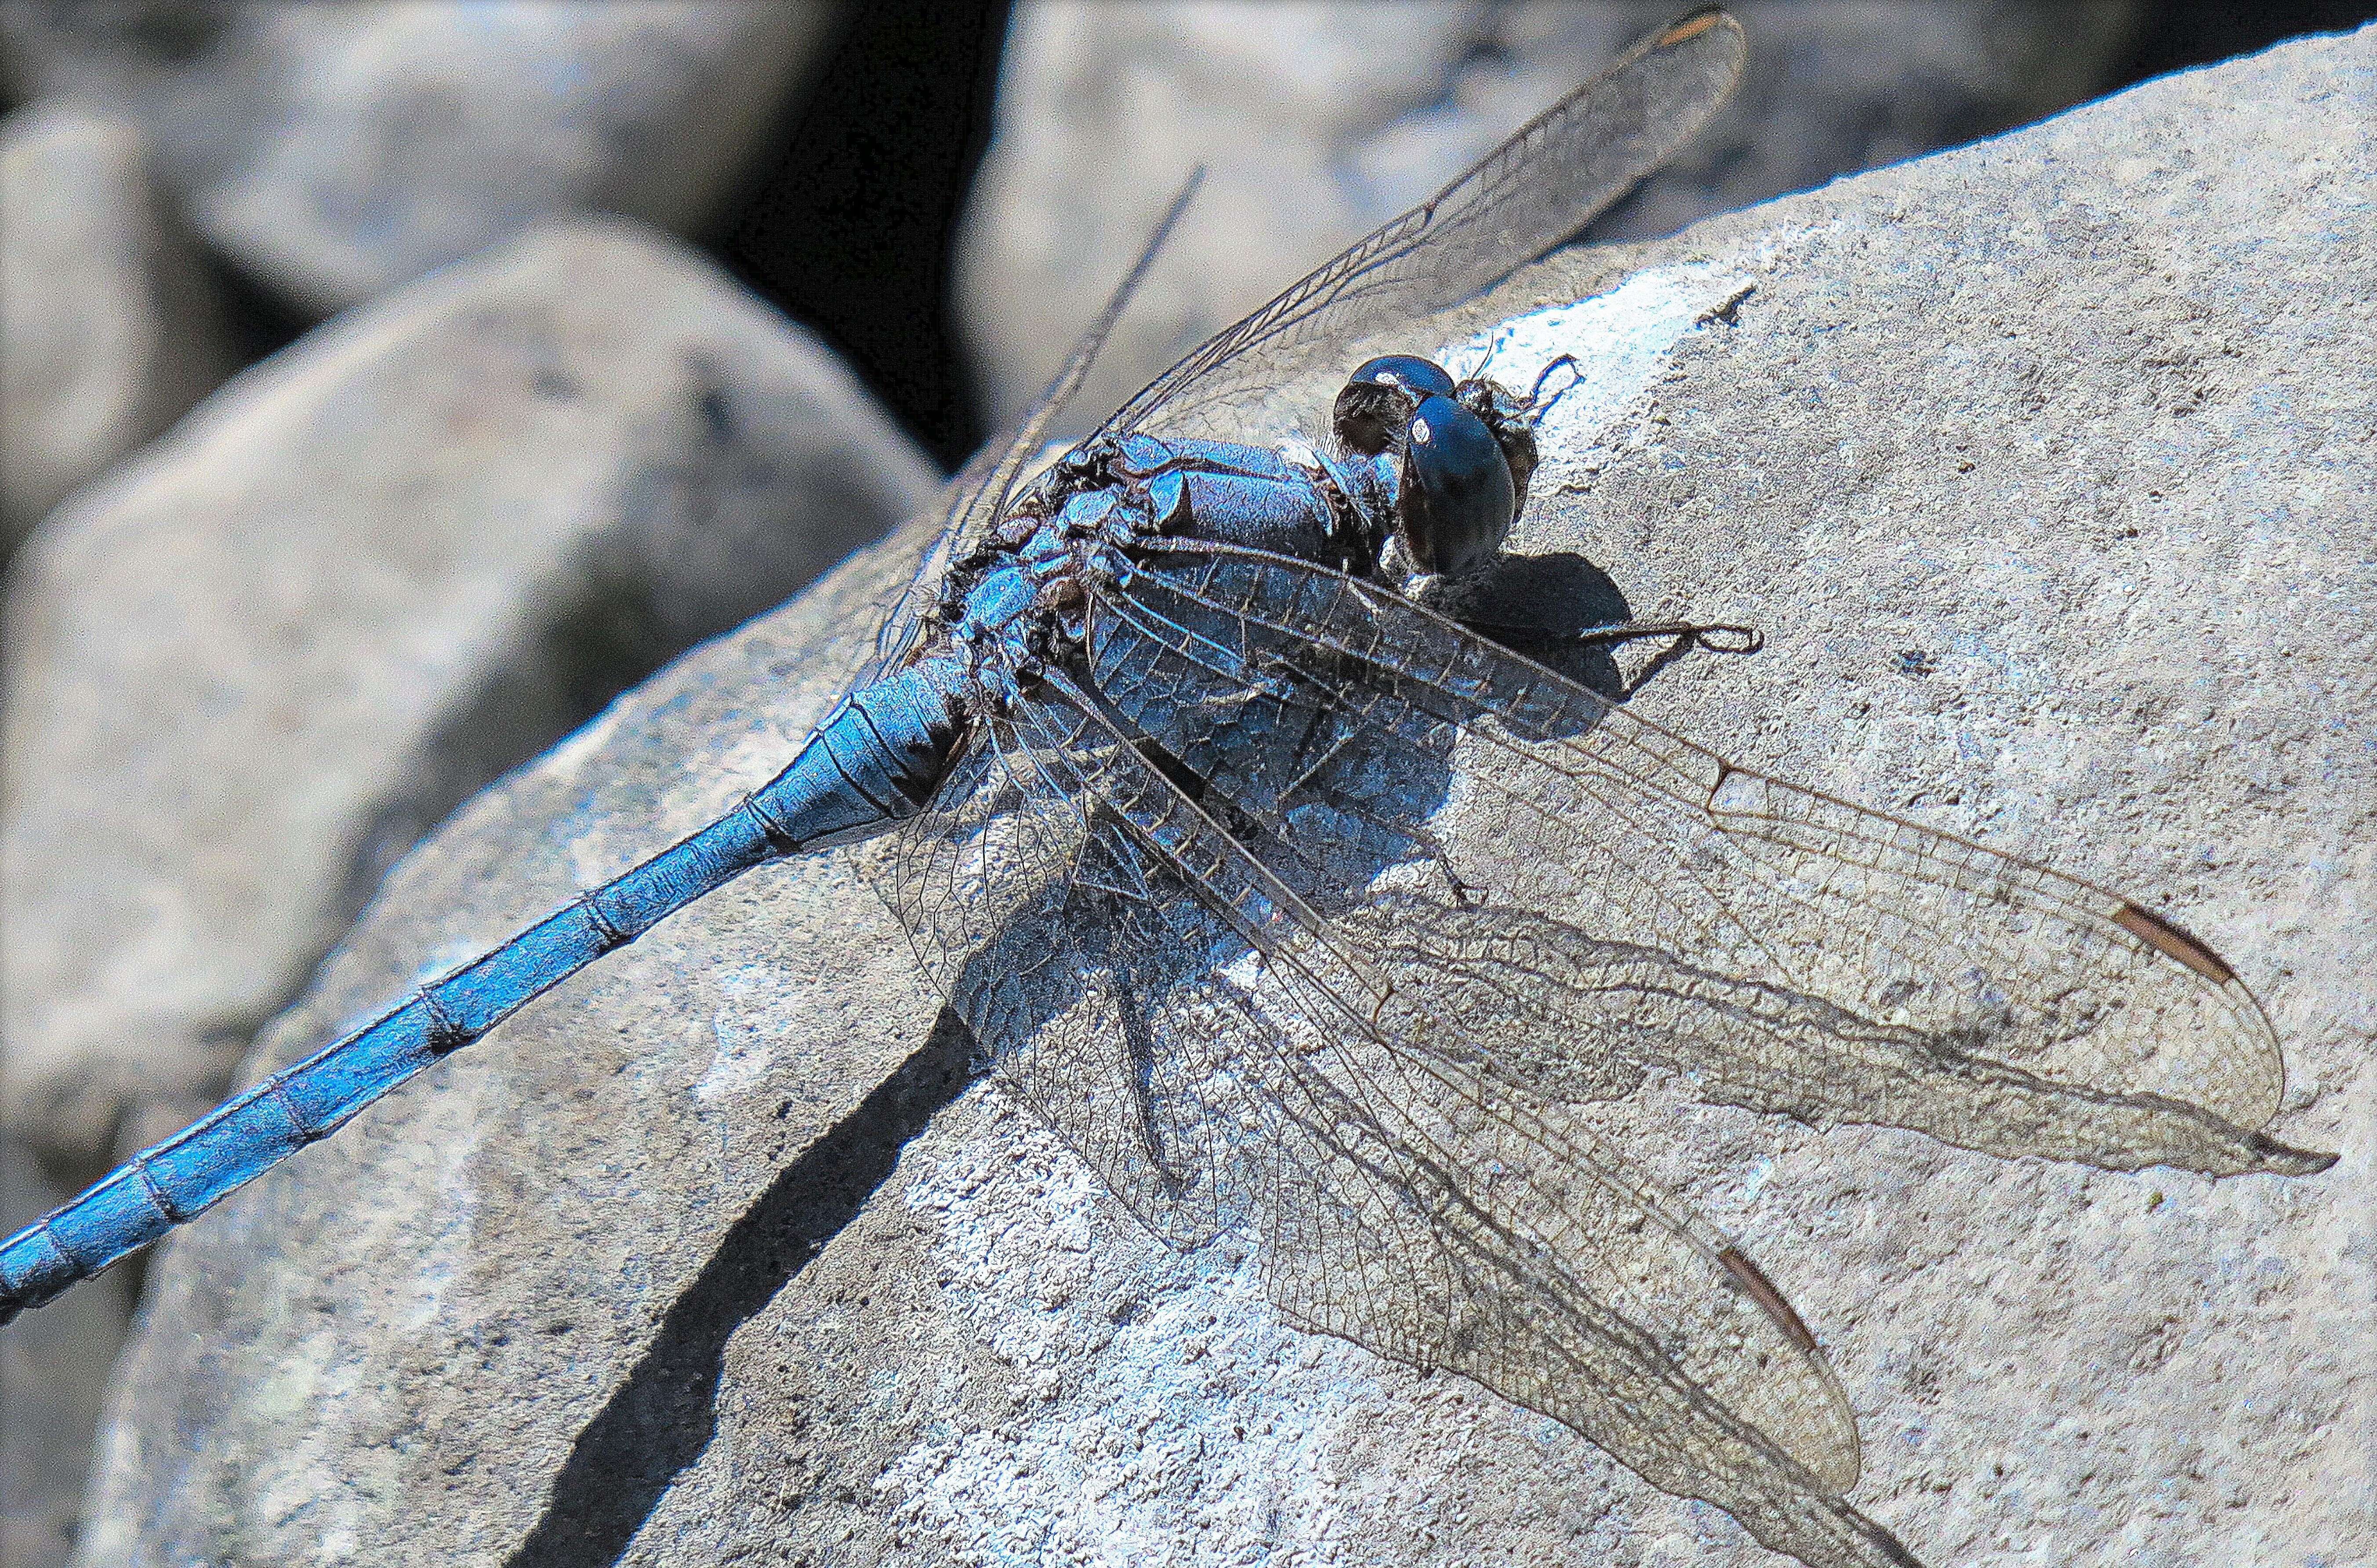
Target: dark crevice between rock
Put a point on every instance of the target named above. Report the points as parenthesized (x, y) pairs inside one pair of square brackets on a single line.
[(848, 225), (2177, 35), (658, 1424)]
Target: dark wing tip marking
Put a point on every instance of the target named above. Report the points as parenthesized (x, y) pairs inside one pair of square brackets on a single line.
[(2283, 1159), (2169, 939), (1761, 1290), (1691, 26)]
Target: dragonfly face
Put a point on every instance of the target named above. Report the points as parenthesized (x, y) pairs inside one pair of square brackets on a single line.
[(1373, 411), (1457, 498), (1464, 452)]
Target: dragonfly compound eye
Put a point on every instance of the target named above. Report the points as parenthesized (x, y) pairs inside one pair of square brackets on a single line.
[(1378, 398), (1454, 506)]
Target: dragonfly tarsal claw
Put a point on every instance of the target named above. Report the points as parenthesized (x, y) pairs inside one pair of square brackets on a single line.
[(1715, 638), (1728, 638)]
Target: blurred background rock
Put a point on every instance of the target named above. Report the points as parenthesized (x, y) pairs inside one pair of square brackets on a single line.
[(555, 467)]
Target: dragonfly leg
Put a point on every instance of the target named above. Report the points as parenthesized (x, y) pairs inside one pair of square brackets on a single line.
[(1686, 637), (1714, 637), (1429, 846)]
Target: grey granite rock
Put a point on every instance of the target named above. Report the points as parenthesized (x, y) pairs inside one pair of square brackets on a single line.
[(1316, 123), (108, 327), (370, 574), (333, 152), (2042, 464), (108, 332), (52, 1387)]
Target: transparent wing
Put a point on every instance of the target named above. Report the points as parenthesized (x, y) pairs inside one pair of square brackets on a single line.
[(1205, 1039), (979, 491), (1047, 943), (1548, 181), (1539, 188), (1578, 877), (936, 538)]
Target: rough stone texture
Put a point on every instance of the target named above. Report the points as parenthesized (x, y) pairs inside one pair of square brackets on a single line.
[(2043, 465), (334, 151), (1316, 121), (369, 575), (108, 331), (53, 1386)]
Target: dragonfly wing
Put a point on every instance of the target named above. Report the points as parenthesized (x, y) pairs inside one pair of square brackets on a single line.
[(962, 507), (1456, 1225), (1550, 179), (1409, 1196), (979, 491), (1586, 878), (1052, 940)]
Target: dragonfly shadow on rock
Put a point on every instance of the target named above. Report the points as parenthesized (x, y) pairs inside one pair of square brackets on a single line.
[(662, 1417), (1543, 607), (1118, 971), (1081, 937)]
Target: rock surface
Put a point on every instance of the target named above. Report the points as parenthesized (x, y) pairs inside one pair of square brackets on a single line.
[(108, 329), (1316, 123), (2042, 464), (52, 1387), (334, 151), (368, 575)]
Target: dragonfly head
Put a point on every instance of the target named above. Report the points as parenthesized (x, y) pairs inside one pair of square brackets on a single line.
[(1467, 450)]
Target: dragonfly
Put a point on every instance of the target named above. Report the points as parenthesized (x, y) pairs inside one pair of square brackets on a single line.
[(1306, 898)]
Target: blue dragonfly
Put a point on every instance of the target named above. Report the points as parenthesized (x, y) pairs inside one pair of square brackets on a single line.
[(1239, 810)]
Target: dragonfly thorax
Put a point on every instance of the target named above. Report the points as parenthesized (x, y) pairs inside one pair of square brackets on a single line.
[(1022, 597), (1435, 466)]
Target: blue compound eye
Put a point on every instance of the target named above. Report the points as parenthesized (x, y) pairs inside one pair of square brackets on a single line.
[(1454, 506), (1422, 378), (1379, 397)]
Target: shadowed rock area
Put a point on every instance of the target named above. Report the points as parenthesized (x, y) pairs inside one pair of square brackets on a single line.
[(2041, 464)]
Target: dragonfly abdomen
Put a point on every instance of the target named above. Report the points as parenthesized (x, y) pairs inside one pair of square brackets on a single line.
[(870, 765)]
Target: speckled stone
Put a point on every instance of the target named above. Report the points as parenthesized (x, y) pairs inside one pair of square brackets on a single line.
[(2041, 464)]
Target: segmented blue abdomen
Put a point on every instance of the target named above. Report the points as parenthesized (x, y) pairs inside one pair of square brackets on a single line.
[(875, 762)]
